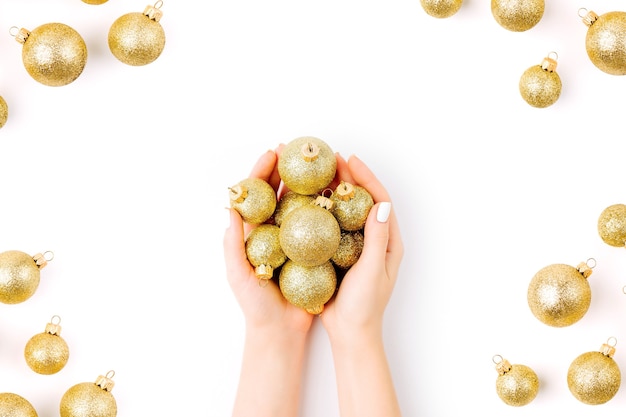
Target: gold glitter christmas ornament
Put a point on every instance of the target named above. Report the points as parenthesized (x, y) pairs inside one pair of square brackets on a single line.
[(95, 1), (13, 405), (47, 353), (90, 399), (254, 199), (307, 165), (138, 38), (594, 377), (310, 235), (559, 295), (441, 8), (517, 15), (516, 385), (308, 287), (606, 40), (540, 85), (20, 275), (349, 250), (4, 112), (289, 201), (612, 225), (263, 250), (351, 205), (53, 54)]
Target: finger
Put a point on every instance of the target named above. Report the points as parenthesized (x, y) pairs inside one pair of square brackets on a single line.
[(237, 265), (343, 172), (364, 177), (395, 247), (376, 234), (265, 169)]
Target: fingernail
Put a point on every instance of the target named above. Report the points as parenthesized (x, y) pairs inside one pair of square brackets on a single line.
[(384, 208)]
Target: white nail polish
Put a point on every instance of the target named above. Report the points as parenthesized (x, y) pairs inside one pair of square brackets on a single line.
[(382, 215)]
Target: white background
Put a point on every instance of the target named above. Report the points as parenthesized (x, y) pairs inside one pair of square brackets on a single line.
[(123, 174)]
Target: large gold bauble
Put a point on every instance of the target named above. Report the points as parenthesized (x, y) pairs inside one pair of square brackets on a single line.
[(351, 206), (310, 235), (13, 405), (612, 225), (559, 295), (441, 8), (19, 276), (53, 54), (540, 85), (137, 38), (89, 399), (307, 165), (289, 201), (263, 250), (594, 377), (4, 112), (606, 41), (308, 287), (47, 353), (254, 199), (517, 15), (516, 385)]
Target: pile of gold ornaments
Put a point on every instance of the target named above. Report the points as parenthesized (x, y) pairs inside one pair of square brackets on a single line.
[(311, 235)]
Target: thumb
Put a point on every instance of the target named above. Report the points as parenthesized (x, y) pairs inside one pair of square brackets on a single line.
[(376, 233)]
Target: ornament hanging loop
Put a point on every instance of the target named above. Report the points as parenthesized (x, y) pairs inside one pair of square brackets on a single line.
[(20, 35), (153, 12), (585, 268), (588, 17)]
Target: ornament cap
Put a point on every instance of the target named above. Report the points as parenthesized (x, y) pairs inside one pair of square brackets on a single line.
[(608, 348), (153, 12), (589, 17), (345, 191), (42, 259), (549, 63), (324, 202), (264, 271), (502, 365), (238, 193), (585, 268), (105, 382), (310, 151), (53, 327), (21, 35)]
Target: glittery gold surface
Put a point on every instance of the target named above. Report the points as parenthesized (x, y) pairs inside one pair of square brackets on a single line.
[(518, 386), (19, 277), (349, 250), (308, 287), (54, 54), (4, 111), (46, 354), (13, 405), (594, 378), (135, 39), (612, 225), (302, 175), (606, 43), (351, 214), (263, 247), (559, 295), (289, 201), (309, 235), (88, 400), (539, 87), (259, 201), (441, 8), (517, 15), (95, 1)]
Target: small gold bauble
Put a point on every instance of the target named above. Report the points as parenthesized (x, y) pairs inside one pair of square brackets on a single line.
[(138, 38), (263, 250), (254, 199), (516, 385), (594, 377), (89, 399), (95, 1), (612, 225), (19, 275), (13, 405), (307, 165), (53, 54), (441, 8), (349, 250), (540, 85), (4, 112), (517, 15), (308, 287), (606, 41), (309, 235), (351, 205), (559, 295), (47, 353), (289, 201)]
